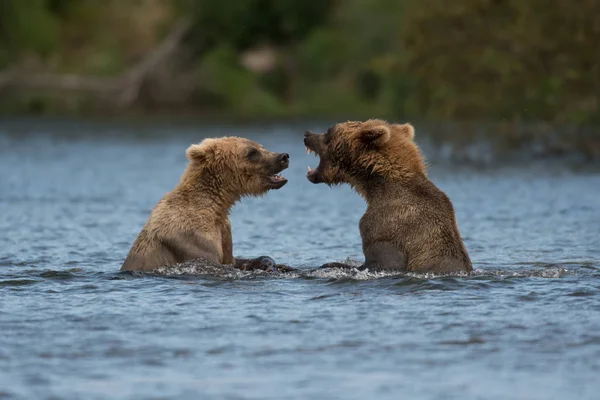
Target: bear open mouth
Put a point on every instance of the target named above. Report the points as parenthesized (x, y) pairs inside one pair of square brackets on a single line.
[(277, 181), (314, 175), (277, 178)]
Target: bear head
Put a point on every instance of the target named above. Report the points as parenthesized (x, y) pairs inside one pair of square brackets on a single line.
[(361, 152), (235, 165)]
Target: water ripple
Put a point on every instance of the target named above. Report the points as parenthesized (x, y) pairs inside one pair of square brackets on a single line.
[(523, 324)]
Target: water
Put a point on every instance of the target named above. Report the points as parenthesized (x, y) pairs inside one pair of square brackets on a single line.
[(73, 197)]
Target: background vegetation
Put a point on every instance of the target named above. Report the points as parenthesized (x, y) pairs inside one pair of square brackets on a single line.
[(504, 60)]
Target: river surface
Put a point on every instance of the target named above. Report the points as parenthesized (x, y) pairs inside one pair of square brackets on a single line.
[(73, 197)]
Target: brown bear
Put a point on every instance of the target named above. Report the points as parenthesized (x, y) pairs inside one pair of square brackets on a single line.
[(192, 221), (409, 224)]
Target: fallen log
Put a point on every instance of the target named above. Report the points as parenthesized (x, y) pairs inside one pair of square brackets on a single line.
[(126, 87)]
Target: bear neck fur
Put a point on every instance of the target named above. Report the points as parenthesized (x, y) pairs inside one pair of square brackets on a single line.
[(397, 167), (381, 188), (209, 189)]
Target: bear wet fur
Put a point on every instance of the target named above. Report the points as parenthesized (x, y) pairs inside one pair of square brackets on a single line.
[(192, 221), (410, 224)]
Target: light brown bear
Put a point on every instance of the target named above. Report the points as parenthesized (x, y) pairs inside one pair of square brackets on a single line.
[(192, 221), (409, 224)]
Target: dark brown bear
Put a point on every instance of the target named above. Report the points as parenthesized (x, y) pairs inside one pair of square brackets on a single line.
[(192, 221), (410, 224)]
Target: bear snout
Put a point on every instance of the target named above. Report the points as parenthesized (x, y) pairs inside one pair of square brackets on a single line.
[(284, 159), (312, 142), (308, 136)]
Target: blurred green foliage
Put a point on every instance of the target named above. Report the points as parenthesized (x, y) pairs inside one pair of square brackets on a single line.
[(466, 59), (29, 25), (243, 24), (534, 59)]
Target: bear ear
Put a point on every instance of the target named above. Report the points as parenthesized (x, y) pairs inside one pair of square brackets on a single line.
[(202, 151), (376, 135), (196, 152), (406, 129)]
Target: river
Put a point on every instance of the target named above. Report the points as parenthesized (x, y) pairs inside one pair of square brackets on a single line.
[(73, 197)]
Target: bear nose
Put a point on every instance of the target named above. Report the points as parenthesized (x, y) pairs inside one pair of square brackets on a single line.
[(307, 134), (283, 157)]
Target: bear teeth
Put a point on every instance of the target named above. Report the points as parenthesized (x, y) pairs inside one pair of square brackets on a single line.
[(308, 151)]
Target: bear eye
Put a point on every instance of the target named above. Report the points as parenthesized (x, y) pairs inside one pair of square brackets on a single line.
[(253, 155)]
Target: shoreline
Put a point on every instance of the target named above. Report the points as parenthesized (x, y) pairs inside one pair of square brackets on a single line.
[(479, 142)]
